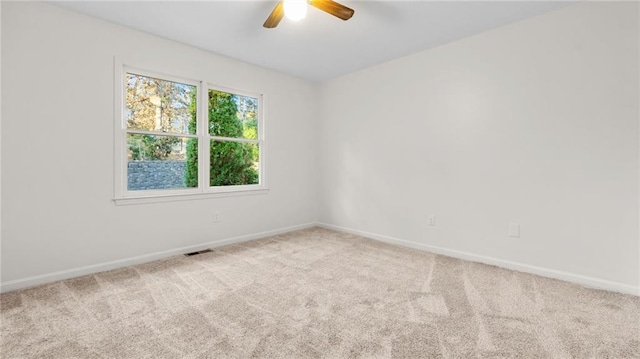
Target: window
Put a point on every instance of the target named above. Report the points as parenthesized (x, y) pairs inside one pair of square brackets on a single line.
[(178, 137)]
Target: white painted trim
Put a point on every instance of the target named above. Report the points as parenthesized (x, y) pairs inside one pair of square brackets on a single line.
[(91, 269), (231, 139), (119, 149), (586, 281), (204, 147), (158, 133), (228, 191)]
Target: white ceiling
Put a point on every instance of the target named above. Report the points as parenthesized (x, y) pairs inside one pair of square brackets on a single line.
[(320, 47)]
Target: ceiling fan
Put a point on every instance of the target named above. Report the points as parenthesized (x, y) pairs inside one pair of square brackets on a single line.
[(296, 10)]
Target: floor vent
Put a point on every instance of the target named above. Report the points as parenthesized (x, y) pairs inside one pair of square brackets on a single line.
[(199, 252)]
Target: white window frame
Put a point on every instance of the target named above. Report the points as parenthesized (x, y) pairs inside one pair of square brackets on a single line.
[(123, 196)]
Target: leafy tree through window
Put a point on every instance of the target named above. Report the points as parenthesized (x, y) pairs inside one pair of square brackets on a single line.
[(163, 132)]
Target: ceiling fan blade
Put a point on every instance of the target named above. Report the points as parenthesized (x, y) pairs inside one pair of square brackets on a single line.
[(274, 18), (333, 8)]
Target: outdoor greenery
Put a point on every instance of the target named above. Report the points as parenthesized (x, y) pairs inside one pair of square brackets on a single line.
[(169, 107), (231, 163), (156, 105)]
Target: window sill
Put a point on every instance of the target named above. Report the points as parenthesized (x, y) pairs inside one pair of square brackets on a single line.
[(125, 201)]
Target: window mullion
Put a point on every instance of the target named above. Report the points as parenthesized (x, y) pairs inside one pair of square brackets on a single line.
[(203, 138), (233, 139), (158, 133)]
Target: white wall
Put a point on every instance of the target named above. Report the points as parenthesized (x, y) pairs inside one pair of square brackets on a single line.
[(534, 123), (57, 148)]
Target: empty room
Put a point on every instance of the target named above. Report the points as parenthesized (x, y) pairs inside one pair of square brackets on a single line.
[(320, 179)]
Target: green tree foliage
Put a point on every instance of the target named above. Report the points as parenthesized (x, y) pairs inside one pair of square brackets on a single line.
[(231, 163), (247, 111), (149, 147), (156, 105)]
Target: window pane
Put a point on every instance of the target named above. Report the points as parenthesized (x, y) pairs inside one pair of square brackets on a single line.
[(158, 105), (234, 163), (233, 115), (161, 162)]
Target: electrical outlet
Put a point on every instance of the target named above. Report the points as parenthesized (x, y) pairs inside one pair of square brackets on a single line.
[(514, 230), (216, 217), (432, 221)]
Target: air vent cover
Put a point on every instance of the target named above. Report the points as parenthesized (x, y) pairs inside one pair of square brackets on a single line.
[(199, 252)]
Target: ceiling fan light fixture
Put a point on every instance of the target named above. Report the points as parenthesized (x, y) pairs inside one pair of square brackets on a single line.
[(295, 10)]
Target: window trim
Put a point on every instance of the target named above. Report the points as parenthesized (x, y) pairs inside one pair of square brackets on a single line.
[(123, 196)]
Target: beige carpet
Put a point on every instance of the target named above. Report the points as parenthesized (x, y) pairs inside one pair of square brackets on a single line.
[(317, 293)]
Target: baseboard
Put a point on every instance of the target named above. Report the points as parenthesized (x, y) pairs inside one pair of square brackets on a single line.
[(586, 281), (590, 282), (91, 269)]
